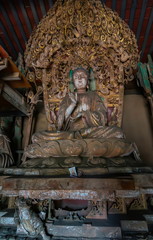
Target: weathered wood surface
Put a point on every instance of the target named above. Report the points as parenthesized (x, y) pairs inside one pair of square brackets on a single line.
[(65, 188), (77, 188), (15, 98), (3, 64)]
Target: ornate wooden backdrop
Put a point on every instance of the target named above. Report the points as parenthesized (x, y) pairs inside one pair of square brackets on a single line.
[(19, 17)]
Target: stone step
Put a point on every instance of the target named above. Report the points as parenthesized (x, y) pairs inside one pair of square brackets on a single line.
[(134, 226), (149, 218), (86, 231)]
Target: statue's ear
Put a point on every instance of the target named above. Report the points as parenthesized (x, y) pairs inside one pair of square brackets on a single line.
[(71, 84), (92, 82)]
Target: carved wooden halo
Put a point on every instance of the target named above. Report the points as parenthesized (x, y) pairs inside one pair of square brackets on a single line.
[(82, 33)]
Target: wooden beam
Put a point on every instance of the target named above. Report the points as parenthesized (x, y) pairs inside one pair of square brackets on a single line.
[(11, 68), (15, 98), (20, 81), (3, 63), (11, 77)]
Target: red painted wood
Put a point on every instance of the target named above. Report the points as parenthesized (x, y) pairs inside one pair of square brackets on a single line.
[(149, 41), (128, 4), (29, 13), (140, 41), (28, 10), (148, 11), (14, 23), (136, 18), (118, 7), (47, 7), (128, 11), (137, 14), (109, 3), (3, 53), (22, 20), (2, 18), (144, 27), (139, 3), (38, 9), (150, 3)]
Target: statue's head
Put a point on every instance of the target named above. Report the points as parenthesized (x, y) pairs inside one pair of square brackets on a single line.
[(80, 78)]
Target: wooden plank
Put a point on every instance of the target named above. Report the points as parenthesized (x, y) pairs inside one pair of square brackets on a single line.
[(11, 77), (3, 64), (11, 69), (72, 184), (23, 83), (65, 188), (15, 98)]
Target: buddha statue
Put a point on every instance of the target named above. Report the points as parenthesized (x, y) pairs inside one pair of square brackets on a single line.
[(81, 127), (82, 114)]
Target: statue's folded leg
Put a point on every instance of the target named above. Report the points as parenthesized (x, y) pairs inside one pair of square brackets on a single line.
[(49, 136), (102, 132)]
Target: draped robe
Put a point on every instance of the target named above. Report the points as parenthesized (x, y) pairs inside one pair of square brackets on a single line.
[(87, 120)]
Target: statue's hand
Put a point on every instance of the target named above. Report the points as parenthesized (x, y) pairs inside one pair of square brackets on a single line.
[(79, 115), (73, 98)]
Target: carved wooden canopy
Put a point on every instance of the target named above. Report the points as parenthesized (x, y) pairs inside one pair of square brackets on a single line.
[(82, 33)]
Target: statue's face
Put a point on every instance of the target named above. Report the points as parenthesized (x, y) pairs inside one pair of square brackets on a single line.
[(80, 79)]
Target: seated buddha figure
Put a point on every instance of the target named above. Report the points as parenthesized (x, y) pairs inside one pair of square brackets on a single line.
[(82, 114), (81, 127)]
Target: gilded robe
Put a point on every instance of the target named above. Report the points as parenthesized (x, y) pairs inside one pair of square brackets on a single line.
[(87, 120)]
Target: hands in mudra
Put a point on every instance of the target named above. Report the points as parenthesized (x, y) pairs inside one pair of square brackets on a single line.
[(73, 97)]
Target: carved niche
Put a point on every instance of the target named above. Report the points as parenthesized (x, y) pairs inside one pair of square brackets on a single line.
[(88, 34)]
